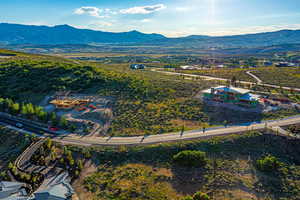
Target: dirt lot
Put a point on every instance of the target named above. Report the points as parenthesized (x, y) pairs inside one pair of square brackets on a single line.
[(96, 114)]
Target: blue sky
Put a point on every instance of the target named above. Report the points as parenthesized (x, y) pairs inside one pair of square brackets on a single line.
[(169, 17)]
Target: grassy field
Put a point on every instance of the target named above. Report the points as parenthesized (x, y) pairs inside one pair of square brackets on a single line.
[(140, 173), (239, 74), (289, 77)]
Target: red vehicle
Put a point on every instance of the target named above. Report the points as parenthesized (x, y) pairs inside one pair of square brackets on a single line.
[(53, 129), (92, 106)]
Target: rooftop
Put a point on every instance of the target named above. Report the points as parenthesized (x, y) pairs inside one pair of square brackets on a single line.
[(227, 89), (58, 191)]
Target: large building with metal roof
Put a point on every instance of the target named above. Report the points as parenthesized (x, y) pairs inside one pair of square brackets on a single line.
[(234, 95)]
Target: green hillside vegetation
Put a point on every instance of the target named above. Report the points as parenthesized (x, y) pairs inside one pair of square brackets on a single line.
[(280, 76), (12, 144), (145, 103), (234, 170)]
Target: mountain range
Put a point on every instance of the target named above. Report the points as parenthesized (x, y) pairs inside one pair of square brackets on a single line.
[(12, 34)]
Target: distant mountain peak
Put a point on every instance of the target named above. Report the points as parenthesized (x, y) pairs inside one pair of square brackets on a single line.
[(64, 26), (66, 34)]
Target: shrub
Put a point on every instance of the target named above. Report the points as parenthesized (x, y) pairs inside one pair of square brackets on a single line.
[(190, 158), (200, 196), (267, 163), (188, 198)]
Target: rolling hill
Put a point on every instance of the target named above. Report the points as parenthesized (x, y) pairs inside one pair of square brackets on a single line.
[(16, 34), (65, 34)]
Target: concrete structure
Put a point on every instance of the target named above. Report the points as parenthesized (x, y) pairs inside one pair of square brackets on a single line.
[(12, 190), (233, 95), (69, 103)]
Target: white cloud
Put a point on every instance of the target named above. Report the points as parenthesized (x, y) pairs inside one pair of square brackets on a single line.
[(143, 9), (182, 9), (91, 11), (146, 20)]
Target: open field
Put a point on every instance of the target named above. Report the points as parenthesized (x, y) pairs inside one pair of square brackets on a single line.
[(230, 173), (289, 77)]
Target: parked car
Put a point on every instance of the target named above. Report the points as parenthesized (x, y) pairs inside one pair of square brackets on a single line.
[(53, 129)]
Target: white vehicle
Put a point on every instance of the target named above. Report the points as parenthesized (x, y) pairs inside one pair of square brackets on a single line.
[(19, 125)]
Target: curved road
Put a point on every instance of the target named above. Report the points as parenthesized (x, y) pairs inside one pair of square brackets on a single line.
[(152, 139), (254, 76)]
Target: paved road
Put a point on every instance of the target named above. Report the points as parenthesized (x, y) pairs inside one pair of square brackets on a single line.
[(223, 79), (152, 139), (27, 154), (254, 76)]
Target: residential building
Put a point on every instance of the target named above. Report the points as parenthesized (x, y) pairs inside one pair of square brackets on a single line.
[(61, 191), (285, 64), (12, 190), (233, 95), (59, 188)]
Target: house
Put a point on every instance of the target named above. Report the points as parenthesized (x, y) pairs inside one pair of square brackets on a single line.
[(137, 66), (58, 189), (233, 95), (188, 67), (220, 66), (285, 64), (61, 191), (12, 190), (267, 63)]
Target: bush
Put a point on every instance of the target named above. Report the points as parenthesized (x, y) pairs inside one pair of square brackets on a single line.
[(200, 196), (267, 163), (190, 158), (188, 198)]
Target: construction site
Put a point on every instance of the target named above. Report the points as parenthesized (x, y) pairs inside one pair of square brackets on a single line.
[(90, 113)]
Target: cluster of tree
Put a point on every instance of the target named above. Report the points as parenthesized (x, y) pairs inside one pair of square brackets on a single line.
[(268, 163), (189, 158), (46, 150), (33, 112), (295, 129), (34, 179), (67, 161), (48, 154), (197, 196), (4, 176)]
